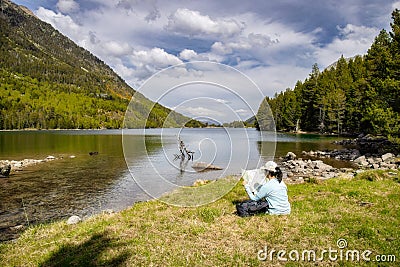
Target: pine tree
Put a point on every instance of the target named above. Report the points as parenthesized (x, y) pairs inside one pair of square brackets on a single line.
[(379, 57)]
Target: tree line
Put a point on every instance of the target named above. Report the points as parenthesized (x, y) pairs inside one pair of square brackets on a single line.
[(48, 82), (356, 95), (27, 103)]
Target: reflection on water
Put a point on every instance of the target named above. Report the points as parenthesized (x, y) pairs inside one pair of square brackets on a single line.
[(160, 171), (83, 185), (86, 184)]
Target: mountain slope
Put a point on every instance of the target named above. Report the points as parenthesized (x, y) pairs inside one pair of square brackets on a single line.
[(47, 81)]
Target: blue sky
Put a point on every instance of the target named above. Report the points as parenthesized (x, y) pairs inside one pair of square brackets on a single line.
[(272, 43)]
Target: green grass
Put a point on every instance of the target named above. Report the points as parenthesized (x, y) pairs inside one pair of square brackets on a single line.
[(192, 196), (363, 211)]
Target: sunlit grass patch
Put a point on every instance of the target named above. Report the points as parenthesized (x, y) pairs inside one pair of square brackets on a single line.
[(364, 212), (377, 175), (201, 193)]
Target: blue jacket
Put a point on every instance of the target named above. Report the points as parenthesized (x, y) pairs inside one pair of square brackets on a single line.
[(276, 195)]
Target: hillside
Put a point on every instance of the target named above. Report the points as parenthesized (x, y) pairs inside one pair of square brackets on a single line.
[(250, 122), (47, 81), (353, 96)]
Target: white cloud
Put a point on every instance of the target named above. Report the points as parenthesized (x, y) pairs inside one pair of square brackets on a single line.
[(243, 111), (224, 88), (355, 32), (188, 54), (274, 47), (192, 23), (117, 49), (67, 6), (221, 48), (352, 40), (123, 71), (212, 108), (222, 101), (147, 62), (260, 40), (200, 112), (156, 57), (260, 32), (253, 40), (241, 44), (271, 79), (267, 43)]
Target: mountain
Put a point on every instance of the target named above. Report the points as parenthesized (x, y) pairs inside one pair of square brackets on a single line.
[(251, 120), (334, 64), (47, 81)]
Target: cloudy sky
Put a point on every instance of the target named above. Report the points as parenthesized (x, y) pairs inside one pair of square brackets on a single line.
[(265, 45)]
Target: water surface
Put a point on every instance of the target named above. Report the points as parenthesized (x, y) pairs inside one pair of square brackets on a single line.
[(86, 185)]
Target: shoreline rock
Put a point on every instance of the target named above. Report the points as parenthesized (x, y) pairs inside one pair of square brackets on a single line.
[(342, 154), (5, 170), (297, 169), (18, 165), (384, 161), (74, 220), (203, 166), (370, 145)]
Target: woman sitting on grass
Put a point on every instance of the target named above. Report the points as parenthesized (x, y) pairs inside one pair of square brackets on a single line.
[(271, 197)]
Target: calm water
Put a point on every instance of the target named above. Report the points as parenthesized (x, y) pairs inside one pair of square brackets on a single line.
[(86, 185)]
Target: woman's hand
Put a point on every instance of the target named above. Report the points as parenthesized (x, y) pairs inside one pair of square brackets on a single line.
[(244, 182)]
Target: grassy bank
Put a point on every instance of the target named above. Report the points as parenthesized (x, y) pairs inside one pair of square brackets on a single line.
[(363, 210)]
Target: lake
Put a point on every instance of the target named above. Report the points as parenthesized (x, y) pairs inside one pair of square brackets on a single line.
[(131, 166)]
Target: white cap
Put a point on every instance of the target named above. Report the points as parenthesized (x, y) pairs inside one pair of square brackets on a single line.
[(270, 166)]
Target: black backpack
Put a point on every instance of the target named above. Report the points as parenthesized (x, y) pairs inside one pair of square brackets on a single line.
[(251, 207)]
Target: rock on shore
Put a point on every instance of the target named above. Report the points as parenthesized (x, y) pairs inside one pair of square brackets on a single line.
[(74, 219), (202, 166), (17, 165), (5, 170), (385, 161), (298, 169), (343, 154), (371, 145)]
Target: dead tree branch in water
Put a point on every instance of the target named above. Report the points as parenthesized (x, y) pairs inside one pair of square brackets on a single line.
[(183, 151)]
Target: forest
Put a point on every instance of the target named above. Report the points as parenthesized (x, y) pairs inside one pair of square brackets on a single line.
[(28, 103), (352, 96), (49, 82)]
